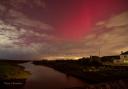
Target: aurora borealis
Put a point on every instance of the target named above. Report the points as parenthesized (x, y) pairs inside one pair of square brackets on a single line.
[(35, 29)]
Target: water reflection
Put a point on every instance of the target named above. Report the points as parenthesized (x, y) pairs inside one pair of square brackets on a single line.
[(46, 78)]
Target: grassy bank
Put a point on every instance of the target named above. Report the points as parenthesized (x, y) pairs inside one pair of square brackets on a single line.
[(12, 71)]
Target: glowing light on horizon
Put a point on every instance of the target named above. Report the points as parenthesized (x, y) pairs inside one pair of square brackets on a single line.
[(60, 57)]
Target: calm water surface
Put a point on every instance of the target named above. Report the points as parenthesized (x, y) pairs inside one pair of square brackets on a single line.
[(47, 78)]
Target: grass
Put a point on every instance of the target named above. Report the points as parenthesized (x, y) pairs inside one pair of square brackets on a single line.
[(12, 71)]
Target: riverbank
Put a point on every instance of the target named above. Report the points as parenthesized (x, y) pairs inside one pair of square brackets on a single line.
[(92, 74), (12, 75)]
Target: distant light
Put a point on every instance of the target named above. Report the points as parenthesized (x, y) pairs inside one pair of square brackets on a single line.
[(125, 61)]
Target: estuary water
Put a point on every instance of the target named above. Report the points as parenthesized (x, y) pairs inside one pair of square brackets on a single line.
[(47, 78), (43, 77)]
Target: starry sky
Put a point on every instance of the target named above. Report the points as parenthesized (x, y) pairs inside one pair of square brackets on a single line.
[(37, 29)]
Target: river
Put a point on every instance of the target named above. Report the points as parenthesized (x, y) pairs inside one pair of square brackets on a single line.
[(47, 78)]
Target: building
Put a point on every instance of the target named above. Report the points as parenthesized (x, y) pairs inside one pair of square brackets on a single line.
[(124, 57)]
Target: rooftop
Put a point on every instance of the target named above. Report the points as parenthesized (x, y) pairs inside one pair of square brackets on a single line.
[(124, 53)]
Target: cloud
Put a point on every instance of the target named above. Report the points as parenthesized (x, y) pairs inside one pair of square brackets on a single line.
[(17, 16), (20, 20), (109, 36), (114, 21), (24, 37), (115, 38), (19, 26)]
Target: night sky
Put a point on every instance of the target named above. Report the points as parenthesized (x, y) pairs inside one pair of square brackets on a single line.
[(36, 29)]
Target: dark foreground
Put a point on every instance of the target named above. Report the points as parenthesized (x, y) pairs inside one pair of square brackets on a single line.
[(12, 76), (12, 83), (92, 74)]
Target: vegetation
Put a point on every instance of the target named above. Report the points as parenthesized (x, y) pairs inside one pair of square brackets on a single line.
[(12, 71), (92, 71)]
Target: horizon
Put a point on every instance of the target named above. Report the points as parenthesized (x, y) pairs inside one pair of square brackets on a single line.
[(60, 57)]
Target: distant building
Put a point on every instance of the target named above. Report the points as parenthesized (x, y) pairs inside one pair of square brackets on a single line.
[(124, 57)]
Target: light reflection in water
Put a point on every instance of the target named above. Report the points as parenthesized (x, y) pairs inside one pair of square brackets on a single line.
[(47, 78)]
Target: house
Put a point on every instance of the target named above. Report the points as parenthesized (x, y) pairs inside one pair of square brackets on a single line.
[(124, 57)]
